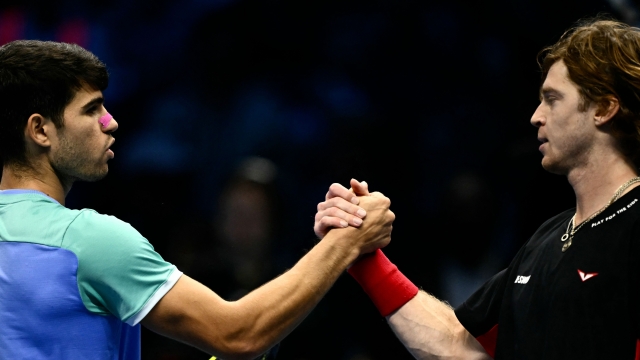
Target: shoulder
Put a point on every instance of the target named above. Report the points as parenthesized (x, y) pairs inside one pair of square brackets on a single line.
[(32, 218), (119, 272), (90, 225), (97, 237), (89, 217)]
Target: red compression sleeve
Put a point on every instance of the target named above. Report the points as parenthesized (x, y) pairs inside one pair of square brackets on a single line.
[(383, 282)]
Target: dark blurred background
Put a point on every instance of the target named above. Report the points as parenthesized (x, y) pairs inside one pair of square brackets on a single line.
[(236, 115)]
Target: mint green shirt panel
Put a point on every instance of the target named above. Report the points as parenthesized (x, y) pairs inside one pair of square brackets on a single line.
[(118, 269), (33, 218)]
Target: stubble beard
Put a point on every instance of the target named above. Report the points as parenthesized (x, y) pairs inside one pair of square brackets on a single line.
[(72, 163), (575, 154)]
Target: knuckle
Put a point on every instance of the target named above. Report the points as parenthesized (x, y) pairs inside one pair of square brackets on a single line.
[(348, 207), (337, 213), (334, 201)]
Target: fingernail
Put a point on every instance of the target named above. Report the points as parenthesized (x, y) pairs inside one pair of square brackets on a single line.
[(364, 183), (355, 200), (343, 223), (361, 213), (357, 221)]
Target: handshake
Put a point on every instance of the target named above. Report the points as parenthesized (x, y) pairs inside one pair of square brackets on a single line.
[(364, 221), (360, 218)]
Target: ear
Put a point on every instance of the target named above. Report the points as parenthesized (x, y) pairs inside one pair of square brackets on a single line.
[(607, 110), (39, 130)]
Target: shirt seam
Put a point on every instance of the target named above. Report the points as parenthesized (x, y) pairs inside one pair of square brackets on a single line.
[(143, 306), (102, 311)]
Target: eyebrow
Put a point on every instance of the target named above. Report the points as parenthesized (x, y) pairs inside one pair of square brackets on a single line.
[(546, 91), (95, 101)]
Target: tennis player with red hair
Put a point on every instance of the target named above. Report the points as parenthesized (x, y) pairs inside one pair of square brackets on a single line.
[(573, 290)]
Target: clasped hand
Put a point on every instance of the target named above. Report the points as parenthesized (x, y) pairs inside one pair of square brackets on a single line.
[(357, 208)]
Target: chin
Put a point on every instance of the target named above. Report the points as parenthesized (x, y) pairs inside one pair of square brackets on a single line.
[(553, 167), (95, 176)]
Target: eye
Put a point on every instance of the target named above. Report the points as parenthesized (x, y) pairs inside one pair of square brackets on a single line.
[(92, 110), (549, 99)]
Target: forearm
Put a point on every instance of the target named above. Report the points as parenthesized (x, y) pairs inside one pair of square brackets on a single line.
[(243, 329), (429, 329), (275, 309)]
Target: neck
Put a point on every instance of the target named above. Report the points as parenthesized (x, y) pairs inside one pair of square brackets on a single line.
[(595, 183), (46, 181)]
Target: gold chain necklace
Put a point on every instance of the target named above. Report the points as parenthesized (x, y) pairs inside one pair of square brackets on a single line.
[(568, 235)]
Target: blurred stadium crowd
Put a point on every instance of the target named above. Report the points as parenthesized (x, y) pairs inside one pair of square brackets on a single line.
[(236, 115)]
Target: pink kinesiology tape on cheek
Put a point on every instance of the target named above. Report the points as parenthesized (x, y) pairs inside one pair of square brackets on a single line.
[(105, 120)]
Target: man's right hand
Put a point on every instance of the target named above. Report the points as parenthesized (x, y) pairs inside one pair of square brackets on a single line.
[(375, 231), (340, 208), (243, 329)]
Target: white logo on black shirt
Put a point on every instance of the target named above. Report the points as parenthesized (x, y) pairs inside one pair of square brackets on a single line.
[(586, 276), (522, 279), (624, 208)]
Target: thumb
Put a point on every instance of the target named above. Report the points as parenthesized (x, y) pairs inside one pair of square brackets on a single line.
[(359, 188)]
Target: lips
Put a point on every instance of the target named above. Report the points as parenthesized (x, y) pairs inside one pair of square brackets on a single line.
[(109, 151), (543, 141)]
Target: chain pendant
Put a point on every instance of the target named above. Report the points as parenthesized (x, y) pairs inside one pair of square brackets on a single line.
[(568, 235)]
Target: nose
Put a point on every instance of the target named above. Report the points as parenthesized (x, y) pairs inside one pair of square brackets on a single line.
[(113, 126), (538, 119), (110, 122)]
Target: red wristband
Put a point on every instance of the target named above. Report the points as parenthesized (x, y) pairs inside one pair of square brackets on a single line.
[(383, 282)]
